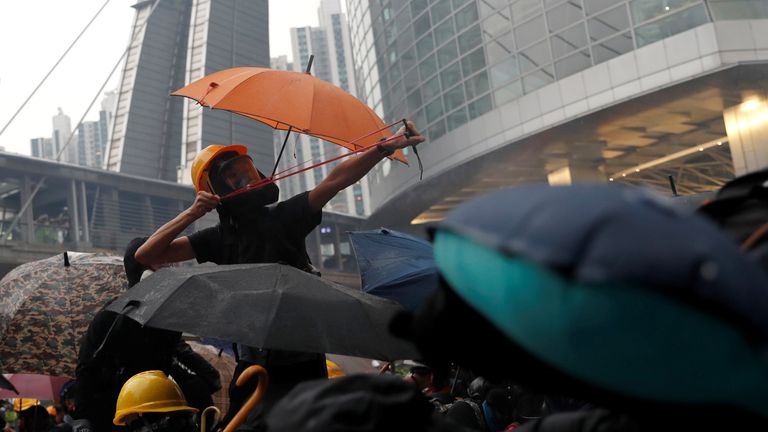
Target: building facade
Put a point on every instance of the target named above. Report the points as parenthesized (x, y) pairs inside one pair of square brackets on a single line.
[(175, 43), (330, 45), (512, 91)]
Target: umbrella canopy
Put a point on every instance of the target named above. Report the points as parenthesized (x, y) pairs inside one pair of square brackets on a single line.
[(288, 100), (268, 306), (395, 265), (621, 292), (225, 364), (46, 307), (34, 386)]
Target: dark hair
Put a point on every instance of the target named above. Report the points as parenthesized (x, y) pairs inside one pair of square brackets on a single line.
[(36, 419), (133, 268)]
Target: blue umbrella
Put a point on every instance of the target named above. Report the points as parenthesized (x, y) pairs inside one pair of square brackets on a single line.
[(395, 266)]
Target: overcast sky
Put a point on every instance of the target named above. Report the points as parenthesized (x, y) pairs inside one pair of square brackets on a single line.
[(34, 34)]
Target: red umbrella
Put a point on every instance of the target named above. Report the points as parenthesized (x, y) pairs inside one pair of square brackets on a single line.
[(34, 386)]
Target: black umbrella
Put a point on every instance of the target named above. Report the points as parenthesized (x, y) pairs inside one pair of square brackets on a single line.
[(268, 306)]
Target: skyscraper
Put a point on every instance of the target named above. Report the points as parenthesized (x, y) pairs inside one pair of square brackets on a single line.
[(62, 131), (329, 43), (156, 135)]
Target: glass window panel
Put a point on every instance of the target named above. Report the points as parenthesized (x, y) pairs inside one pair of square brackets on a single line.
[(485, 9), (611, 22), (456, 118), (477, 85), (414, 100), (422, 25), (573, 63), (443, 32), (564, 15), (535, 57), (569, 40), (411, 80), (530, 32), (440, 9), (594, 6), (500, 48), (434, 110), (405, 38), (418, 6), (505, 71), (427, 67), (431, 88), (458, 3), (479, 107), (508, 93), (425, 45), (495, 25), (538, 79), (738, 9), (470, 39), (447, 53), (466, 17), (454, 98), (612, 47), (524, 9), (394, 73), (673, 24), (473, 62), (419, 118), (408, 59), (643, 10), (451, 75), (436, 130)]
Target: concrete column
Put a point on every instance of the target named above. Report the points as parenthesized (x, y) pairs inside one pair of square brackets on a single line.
[(84, 214), (149, 216), (111, 206), (27, 221), (747, 128), (74, 213), (337, 246)]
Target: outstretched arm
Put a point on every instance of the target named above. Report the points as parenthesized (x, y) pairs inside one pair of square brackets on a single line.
[(353, 169), (163, 247)]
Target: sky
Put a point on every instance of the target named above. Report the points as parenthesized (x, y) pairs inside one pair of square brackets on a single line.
[(35, 33)]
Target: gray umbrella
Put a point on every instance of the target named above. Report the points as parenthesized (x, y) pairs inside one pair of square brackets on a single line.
[(268, 306)]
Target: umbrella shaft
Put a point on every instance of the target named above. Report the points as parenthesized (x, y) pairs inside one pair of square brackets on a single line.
[(285, 141)]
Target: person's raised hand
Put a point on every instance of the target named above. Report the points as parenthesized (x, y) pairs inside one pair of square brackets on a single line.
[(414, 138), (204, 202)]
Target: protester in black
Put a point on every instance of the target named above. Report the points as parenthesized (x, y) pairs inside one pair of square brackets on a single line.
[(253, 230)]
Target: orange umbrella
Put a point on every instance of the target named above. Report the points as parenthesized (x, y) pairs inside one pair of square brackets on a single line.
[(292, 101)]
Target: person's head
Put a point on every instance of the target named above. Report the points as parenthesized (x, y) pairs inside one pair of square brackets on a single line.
[(133, 268), (222, 170), (420, 374), (35, 419), (150, 401), (68, 396)]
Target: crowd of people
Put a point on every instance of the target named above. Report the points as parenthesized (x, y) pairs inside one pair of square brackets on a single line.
[(588, 308)]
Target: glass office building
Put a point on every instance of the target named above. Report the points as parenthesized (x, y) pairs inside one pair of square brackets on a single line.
[(510, 91)]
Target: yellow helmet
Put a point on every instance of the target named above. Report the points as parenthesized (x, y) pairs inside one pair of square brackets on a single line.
[(334, 370), (202, 163), (22, 404), (146, 392)]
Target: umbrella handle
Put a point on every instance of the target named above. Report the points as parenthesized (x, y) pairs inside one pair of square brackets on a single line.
[(204, 417), (258, 394)]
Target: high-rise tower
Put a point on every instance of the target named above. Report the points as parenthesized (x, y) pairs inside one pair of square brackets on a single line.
[(174, 43)]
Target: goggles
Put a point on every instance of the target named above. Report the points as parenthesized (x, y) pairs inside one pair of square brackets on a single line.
[(233, 174), (162, 422)]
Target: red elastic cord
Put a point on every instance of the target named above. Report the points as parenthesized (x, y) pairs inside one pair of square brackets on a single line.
[(277, 176)]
